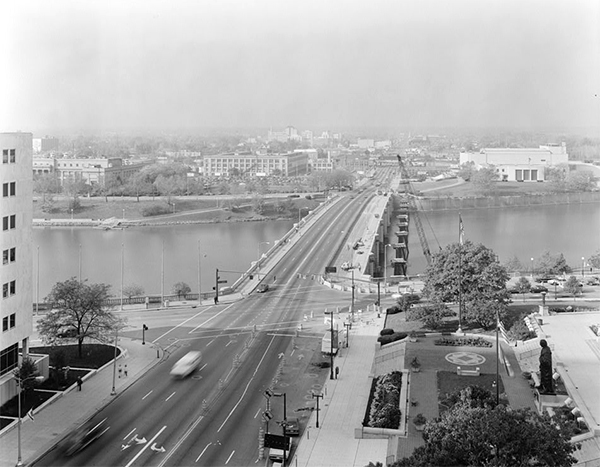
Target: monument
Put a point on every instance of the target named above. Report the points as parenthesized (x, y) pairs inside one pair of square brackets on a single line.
[(546, 382)]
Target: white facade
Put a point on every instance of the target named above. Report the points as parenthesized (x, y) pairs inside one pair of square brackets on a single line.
[(16, 303), (292, 164), (518, 164)]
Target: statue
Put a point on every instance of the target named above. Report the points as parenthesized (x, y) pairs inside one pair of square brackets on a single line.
[(546, 382)]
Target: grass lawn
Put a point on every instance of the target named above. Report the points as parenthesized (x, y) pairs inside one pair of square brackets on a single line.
[(29, 399), (93, 356)]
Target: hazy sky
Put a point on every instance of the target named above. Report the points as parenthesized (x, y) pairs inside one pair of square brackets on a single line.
[(312, 64)]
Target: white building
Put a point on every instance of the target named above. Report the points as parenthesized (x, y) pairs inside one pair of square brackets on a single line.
[(518, 164), (16, 304), (292, 164)]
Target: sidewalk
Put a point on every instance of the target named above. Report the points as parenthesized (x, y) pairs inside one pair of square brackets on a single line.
[(73, 407), (343, 407)]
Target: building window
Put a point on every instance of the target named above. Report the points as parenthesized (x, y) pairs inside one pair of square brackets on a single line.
[(13, 320), (534, 175), (13, 221), (9, 189), (13, 287), (4, 290), (12, 156), (5, 189), (13, 188), (5, 156), (5, 324), (5, 223)]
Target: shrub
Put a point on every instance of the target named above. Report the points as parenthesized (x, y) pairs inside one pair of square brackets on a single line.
[(520, 331), (419, 419), (155, 210), (386, 332), (385, 405), (393, 310), (463, 341), (391, 338)]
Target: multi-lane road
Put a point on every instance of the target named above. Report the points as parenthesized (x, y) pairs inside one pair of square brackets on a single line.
[(214, 416)]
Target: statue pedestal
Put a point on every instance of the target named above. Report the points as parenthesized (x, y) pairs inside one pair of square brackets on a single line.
[(542, 401), (543, 310)]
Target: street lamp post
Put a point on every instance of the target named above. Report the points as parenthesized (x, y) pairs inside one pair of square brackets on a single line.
[(352, 304), (348, 327), (317, 396), (20, 389), (497, 356), (582, 267), (122, 271), (531, 268), (284, 421), (258, 253), (113, 392)]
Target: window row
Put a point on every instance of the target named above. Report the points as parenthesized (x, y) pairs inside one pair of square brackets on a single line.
[(5, 156), (9, 289), (9, 222), (9, 322), (9, 189), (9, 256)]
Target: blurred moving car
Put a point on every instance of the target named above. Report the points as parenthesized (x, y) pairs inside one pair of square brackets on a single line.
[(84, 436), (292, 427), (538, 289), (262, 288), (187, 364)]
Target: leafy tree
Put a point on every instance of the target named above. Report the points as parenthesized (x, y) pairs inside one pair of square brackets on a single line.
[(79, 311), (549, 264), (466, 171), (557, 176), (49, 204), (571, 286), (484, 179), (469, 436), (27, 369), (594, 260), (181, 289), (481, 275), (258, 204), (523, 286), (133, 290), (580, 181), (406, 301), (46, 184), (483, 311), (431, 315), (513, 264)]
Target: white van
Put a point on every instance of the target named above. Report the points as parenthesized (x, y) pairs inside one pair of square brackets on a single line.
[(187, 364)]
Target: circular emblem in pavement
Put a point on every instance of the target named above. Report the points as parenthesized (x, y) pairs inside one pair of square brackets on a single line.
[(465, 358)]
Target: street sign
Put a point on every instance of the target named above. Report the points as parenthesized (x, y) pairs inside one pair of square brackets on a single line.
[(267, 415), (268, 393), (222, 282), (277, 441)]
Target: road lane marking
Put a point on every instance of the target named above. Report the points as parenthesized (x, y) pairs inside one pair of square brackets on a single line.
[(247, 385), (230, 456), (149, 443), (203, 367), (179, 325), (257, 412), (169, 397), (203, 451), (148, 394), (181, 440), (211, 318), (130, 433)]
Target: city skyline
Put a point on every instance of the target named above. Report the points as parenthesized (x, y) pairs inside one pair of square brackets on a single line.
[(411, 65)]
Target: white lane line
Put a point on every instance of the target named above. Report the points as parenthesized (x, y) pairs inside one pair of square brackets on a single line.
[(180, 441), (148, 394), (257, 412), (169, 397), (130, 433), (203, 367), (179, 325), (171, 344), (203, 451), (230, 456), (247, 385), (148, 444), (212, 317)]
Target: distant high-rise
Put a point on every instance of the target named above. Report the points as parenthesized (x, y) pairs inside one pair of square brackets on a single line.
[(16, 209)]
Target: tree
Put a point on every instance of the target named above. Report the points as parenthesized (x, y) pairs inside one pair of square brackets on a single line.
[(181, 288), (466, 171), (26, 370), (557, 176), (468, 435), (258, 204), (484, 179), (513, 264), (571, 286), (580, 181), (481, 275), (483, 311), (430, 315), (549, 264), (523, 286), (79, 311), (594, 260), (133, 290)]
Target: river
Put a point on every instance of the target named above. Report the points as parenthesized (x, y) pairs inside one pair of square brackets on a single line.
[(526, 232)]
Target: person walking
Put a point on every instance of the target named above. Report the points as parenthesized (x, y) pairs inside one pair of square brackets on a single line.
[(79, 383)]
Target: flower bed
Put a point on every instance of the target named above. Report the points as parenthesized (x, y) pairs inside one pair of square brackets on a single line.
[(383, 410), (463, 341)]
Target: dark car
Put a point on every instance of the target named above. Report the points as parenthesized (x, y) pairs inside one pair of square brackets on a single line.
[(538, 289), (292, 427), (262, 288)]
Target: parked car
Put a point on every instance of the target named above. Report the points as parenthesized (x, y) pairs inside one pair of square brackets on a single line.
[(538, 289), (554, 282), (593, 281), (262, 288)]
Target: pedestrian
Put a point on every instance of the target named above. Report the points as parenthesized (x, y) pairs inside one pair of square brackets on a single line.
[(125, 371), (79, 383), (120, 371), (337, 371)]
